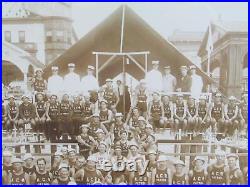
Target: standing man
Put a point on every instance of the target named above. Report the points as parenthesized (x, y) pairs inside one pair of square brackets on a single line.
[(55, 82), (120, 92), (154, 78), (110, 95), (197, 83), (186, 81), (71, 81), (169, 81), (90, 84), (38, 83)]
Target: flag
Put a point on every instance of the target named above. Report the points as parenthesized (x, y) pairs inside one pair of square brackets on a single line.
[(209, 47)]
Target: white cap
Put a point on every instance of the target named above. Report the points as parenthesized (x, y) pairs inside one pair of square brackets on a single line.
[(192, 67), (220, 152), (149, 126), (58, 153), (118, 114), (39, 69), (96, 115), (203, 97), (91, 158), (232, 98), (141, 118), (179, 162), (91, 67), (27, 156), (16, 160), (199, 158), (71, 150), (63, 165), (84, 125), (103, 100), (151, 152), (233, 155), (218, 95), (99, 131), (71, 65), (54, 68), (142, 81), (155, 62), (109, 80)]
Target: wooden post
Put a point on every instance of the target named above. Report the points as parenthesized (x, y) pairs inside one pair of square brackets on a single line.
[(124, 82), (146, 63)]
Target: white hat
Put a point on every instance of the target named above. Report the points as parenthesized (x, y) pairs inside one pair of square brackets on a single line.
[(54, 68), (11, 96), (192, 67), (91, 158), (179, 95), (39, 69), (151, 152), (141, 118), (99, 131), (155, 62), (179, 162), (91, 67), (25, 96), (71, 150), (184, 67), (220, 152), (63, 165), (203, 97), (233, 155), (118, 114), (7, 154), (58, 153), (232, 98), (103, 100), (16, 160), (218, 95), (84, 125), (162, 158), (149, 126), (96, 115), (109, 80), (71, 65), (27, 156), (199, 158), (142, 81)]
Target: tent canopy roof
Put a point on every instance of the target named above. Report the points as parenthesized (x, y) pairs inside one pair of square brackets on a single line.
[(137, 36)]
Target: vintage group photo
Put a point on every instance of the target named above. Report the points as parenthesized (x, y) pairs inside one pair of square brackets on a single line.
[(124, 93)]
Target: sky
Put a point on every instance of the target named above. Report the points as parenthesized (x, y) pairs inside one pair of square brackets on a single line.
[(165, 17)]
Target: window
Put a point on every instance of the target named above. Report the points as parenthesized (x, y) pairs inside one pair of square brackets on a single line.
[(49, 36), (59, 36), (7, 36), (21, 35)]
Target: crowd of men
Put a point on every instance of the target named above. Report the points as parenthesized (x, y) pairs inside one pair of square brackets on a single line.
[(94, 117)]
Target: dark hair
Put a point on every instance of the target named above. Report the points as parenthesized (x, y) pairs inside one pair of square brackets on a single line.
[(40, 159)]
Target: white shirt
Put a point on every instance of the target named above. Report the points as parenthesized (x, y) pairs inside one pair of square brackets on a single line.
[(154, 80), (55, 84), (169, 83), (197, 85), (89, 82), (71, 84)]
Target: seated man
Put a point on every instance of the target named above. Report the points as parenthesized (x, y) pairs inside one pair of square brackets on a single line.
[(27, 113)]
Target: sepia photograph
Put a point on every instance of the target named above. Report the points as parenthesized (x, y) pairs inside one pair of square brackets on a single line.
[(115, 93)]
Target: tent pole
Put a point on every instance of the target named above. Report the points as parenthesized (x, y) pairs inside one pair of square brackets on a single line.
[(146, 63), (124, 83), (122, 28), (96, 67)]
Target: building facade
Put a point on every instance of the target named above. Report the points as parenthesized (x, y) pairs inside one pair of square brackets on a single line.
[(188, 42), (42, 29), (34, 34), (229, 58)]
